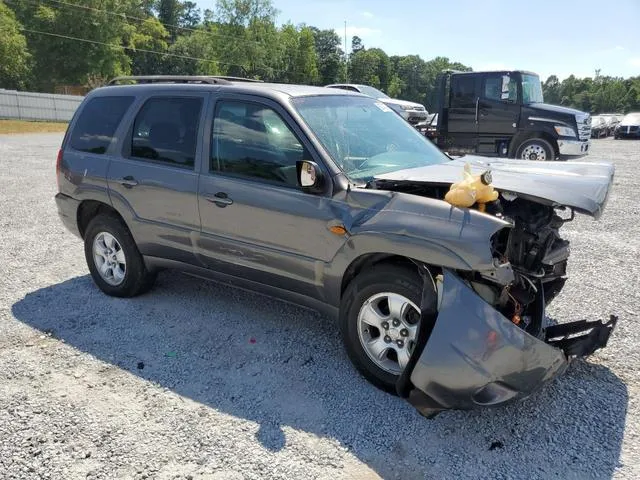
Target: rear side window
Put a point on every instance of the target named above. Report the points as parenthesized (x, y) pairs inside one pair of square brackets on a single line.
[(166, 130), (97, 123)]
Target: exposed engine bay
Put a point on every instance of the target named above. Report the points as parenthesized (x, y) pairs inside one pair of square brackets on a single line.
[(533, 248)]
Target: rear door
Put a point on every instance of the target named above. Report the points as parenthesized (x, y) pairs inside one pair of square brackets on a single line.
[(462, 124), (498, 109), (257, 223), (155, 179)]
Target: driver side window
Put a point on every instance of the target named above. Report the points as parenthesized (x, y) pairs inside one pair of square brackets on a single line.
[(253, 141), (500, 88)]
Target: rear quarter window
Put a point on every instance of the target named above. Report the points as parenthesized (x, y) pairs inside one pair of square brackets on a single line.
[(98, 122)]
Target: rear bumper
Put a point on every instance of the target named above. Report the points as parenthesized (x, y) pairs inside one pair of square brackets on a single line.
[(622, 133), (573, 148), (475, 357), (68, 212)]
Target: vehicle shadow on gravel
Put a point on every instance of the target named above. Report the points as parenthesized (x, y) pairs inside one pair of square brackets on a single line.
[(284, 367)]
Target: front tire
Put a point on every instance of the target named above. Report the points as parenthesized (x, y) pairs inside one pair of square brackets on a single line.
[(535, 149), (379, 321), (113, 258)]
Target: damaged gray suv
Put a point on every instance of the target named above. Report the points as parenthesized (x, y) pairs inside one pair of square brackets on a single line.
[(328, 199)]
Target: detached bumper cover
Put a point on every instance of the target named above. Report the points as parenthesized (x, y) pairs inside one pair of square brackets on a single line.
[(475, 357)]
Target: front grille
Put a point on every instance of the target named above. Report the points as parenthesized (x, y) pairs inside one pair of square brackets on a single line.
[(584, 129)]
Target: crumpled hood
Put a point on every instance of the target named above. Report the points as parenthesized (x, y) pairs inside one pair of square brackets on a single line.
[(583, 186)]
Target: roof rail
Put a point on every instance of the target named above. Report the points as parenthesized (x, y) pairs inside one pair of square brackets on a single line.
[(237, 79), (170, 79)]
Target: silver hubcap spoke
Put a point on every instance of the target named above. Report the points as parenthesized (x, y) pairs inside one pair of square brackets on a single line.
[(109, 258), (387, 328), (371, 316), (378, 348)]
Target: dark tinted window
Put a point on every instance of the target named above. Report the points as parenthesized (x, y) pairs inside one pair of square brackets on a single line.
[(97, 123), (166, 130), (252, 140), (463, 91), (501, 88)]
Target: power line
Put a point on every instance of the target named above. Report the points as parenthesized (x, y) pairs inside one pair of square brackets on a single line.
[(188, 57), (85, 40), (141, 19)]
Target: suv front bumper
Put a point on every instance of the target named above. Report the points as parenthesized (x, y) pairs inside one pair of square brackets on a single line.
[(573, 148), (475, 357)]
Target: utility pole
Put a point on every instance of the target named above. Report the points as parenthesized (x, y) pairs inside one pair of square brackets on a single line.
[(346, 55)]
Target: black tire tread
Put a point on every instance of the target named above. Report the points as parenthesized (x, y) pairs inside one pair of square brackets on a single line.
[(382, 277), (138, 279)]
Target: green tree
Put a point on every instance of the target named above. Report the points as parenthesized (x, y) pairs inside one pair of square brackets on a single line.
[(329, 55), (72, 43), (551, 90), (169, 14), (150, 36), (16, 61), (356, 44)]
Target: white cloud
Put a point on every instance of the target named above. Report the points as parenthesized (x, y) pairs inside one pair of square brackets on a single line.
[(367, 14), (361, 31), (634, 62), (617, 48)]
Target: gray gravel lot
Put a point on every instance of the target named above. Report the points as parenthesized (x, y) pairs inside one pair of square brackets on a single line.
[(201, 381)]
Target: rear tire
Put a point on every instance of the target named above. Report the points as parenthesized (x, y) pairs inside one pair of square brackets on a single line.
[(113, 258), (535, 149), (397, 283)]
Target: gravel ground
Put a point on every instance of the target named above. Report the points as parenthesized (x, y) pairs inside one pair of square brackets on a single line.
[(201, 381)]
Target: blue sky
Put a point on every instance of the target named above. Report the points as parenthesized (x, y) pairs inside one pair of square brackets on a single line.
[(544, 36)]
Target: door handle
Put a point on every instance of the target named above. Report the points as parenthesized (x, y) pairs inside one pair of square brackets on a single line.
[(221, 199), (128, 181), (477, 103)]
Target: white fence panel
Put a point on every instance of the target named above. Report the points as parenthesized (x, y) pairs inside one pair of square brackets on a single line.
[(37, 106)]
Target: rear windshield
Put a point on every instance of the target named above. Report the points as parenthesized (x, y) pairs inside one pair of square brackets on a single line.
[(97, 123), (632, 118)]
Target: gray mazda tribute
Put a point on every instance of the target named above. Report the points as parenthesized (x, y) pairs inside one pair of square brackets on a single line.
[(329, 199)]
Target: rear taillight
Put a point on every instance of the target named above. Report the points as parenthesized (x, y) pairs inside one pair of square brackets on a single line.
[(58, 166)]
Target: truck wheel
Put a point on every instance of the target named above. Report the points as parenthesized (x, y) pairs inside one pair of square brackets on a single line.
[(535, 149), (115, 263), (379, 317)]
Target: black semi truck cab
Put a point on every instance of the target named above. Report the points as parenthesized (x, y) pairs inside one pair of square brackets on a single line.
[(502, 113)]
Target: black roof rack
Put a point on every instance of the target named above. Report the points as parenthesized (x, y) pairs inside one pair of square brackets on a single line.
[(210, 79)]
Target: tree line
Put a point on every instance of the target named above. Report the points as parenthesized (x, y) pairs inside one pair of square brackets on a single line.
[(48, 43)]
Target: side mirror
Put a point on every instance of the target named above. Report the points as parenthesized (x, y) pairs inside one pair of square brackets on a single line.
[(310, 177)]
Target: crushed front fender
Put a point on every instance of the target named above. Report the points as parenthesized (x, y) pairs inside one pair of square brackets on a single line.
[(468, 355)]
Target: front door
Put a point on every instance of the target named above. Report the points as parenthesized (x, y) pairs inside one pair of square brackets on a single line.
[(462, 125), (257, 223), (498, 110), (155, 179)]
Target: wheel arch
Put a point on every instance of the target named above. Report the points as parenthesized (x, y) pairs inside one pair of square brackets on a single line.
[(369, 260), (89, 209), (518, 140)]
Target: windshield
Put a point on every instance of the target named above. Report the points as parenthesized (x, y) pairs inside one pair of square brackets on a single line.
[(372, 92), (631, 119), (597, 121), (531, 89), (364, 137)]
